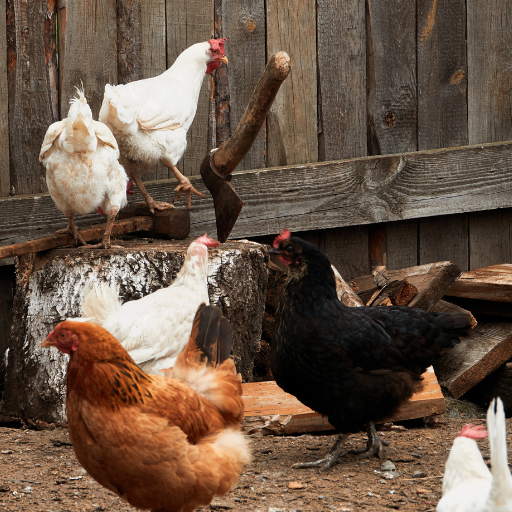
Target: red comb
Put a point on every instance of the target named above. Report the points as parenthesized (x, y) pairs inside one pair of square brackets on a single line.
[(206, 240), (282, 236), (218, 44), (473, 432)]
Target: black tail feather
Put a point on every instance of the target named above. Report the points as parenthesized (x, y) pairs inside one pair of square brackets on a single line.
[(212, 333)]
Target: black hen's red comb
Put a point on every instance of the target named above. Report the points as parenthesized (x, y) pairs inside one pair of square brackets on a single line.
[(218, 44), (282, 236)]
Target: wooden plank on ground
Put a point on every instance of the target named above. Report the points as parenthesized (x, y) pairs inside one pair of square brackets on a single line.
[(5, 179), (492, 283), (243, 23), (324, 195), (35, 90), (487, 347), (431, 280), (489, 35), (270, 410), (90, 55), (190, 22), (292, 128), (341, 46)]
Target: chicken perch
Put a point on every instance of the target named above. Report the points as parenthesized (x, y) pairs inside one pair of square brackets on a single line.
[(150, 118), (83, 173), (353, 365), (154, 329), (160, 443), (468, 485)]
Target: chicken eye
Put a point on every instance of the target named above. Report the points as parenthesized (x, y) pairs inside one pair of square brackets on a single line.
[(62, 335), (289, 248)]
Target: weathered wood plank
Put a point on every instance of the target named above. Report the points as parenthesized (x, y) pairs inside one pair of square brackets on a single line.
[(324, 195), (341, 47), (190, 22), (243, 23), (5, 178), (292, 128), (442, 74), (432, 281), (490, 283), (487, 347), (270, 410), (129, 41), (444, 238), (90, 55), (153, 58), (489, 37), (32, 107), (402, 244)]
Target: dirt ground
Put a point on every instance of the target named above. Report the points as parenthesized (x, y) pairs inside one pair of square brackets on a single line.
[(39, 473)]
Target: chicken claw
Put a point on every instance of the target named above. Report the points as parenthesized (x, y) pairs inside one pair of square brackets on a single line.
[(330, 459), (186, 186), (374, 446), (72, 229)]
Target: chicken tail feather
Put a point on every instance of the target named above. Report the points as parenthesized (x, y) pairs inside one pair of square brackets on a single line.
[(212, 334), (100, 301)]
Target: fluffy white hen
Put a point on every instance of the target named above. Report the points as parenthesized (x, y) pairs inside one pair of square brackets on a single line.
[(82, 168), (468, 485), (154, 329), (150, 118)]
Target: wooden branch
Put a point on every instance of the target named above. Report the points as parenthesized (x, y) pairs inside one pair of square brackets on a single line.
[(322, 195), (487, 347), (270, 410)]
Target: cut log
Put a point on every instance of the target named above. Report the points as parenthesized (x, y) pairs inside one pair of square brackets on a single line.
[(492, 283), (487, 347), (431, 280), (345, 292), (50, 287), (270, 410), (448, 307)]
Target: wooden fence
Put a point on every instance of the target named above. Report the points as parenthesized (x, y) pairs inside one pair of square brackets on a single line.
[(374, 77)]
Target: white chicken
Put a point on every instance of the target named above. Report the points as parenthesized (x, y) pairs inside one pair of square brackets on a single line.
[(468, 485), (154, 329), (150, 118), (82, 168)]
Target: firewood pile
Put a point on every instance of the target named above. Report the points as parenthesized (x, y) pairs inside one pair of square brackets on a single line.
[(477, 369)]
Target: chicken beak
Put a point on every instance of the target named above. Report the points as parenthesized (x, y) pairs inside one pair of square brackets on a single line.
[(275, 252), (48, 343), (225, 60)]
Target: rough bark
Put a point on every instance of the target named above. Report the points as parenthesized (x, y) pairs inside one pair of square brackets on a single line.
[(49, 289)]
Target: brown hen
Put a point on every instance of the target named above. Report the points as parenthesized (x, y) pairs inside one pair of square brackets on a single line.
[(165, 443)]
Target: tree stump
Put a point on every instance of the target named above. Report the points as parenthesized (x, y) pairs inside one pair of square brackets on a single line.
[(50, 287)]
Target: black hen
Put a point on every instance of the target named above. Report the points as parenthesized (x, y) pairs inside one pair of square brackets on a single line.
[(353, 365)]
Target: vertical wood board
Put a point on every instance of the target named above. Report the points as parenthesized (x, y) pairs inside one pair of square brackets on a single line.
[(32, 106), (243, 23), (190, 22), (5, 178), (129, 41), (341, 47), (402, 244), (292, 127), (90, 55)]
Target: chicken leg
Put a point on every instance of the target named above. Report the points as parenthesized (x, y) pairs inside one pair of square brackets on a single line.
[(184, 185), (374, 446), (72, 229), (330, 459), (152, 204), (105, 241)]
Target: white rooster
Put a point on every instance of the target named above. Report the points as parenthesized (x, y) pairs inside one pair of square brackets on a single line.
[(155, 328), (150, 118), (82, 168), (468, 485)]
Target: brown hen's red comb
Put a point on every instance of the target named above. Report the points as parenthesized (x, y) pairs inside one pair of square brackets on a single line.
[(218, 44), (473, 432), (282, 236)]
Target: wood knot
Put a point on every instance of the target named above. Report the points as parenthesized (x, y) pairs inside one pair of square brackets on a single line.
[(389, 119), (457, 77), (250, 25)]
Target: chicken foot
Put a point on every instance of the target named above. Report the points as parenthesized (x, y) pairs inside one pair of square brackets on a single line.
[(105, 241), (374, 445), (184, 185), (330, 459), (152, 204), (72, 229)]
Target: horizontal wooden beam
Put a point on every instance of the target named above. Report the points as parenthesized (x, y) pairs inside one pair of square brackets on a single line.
[(319, 195)]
